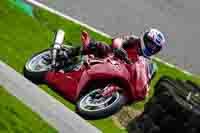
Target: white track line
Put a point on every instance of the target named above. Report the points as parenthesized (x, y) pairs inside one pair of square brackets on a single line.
[(40, 5)]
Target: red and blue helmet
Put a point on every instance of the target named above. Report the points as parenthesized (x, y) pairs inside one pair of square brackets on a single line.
[(152, 42)]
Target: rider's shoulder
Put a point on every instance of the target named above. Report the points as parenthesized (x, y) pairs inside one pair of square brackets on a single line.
[(133, 36), (130, 36)]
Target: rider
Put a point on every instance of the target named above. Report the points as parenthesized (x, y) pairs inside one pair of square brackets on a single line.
[(137, 50)]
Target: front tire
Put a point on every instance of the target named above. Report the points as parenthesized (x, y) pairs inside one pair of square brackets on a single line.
[(95, 108)]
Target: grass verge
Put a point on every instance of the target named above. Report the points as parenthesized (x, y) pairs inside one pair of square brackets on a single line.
[(21, 36), (17, 118)]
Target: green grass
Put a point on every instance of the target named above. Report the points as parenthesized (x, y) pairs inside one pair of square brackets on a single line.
[(21, 36), (15, 117)]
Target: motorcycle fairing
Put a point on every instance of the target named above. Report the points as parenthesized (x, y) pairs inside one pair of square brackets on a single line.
[(70, 84), (64, 83)]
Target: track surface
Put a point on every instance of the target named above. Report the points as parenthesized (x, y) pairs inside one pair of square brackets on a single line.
[(179, 19)]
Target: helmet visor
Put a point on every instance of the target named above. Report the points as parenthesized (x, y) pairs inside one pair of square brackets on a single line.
[(150, 45)]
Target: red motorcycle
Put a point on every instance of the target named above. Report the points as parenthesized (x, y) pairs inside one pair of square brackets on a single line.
[(98, 86)]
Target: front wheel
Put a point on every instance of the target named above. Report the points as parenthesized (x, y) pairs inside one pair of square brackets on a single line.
[(95, 106)]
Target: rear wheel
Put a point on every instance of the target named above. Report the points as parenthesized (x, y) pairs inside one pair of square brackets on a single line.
[(93, 105), (36, 67), (40, 63)]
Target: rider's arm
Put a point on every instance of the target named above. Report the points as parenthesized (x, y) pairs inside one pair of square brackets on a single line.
[(97, 48), (92, 46)]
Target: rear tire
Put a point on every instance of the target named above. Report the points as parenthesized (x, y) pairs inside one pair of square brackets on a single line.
[(103, 112), (29, 73), (35, 77)]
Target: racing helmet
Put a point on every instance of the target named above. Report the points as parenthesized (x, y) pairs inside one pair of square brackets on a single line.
[(152, 41)]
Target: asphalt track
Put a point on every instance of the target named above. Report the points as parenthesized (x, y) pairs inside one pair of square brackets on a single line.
[(178, 19)]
